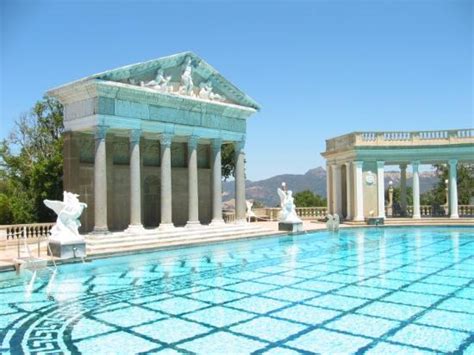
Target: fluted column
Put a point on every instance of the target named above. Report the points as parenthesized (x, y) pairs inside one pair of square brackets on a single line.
[(416, 190), (193, 194), (380, 189), (329, 197), (100, 181), (359, 191), (348, 191), (166, 189), (403, 189), (240, 203), (337, 187), (135, 183), (453, 189), (216, 166)]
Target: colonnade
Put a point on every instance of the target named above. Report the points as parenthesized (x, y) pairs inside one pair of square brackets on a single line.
[(166, 223), (354, 189)]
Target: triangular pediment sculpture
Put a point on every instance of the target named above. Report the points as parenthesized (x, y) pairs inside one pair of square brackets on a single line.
[(184, 75)]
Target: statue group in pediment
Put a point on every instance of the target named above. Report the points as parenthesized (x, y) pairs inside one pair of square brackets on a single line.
[(162, 83)]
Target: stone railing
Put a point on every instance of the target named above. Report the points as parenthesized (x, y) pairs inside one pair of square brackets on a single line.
[(440, 211), (33, 231), (271, 214), (311, 212), (400, 138)]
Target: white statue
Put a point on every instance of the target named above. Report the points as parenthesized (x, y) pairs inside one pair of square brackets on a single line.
[(206, 92), (69, 211), (288, 208), (250, 213), (187, 84), (161, 82)]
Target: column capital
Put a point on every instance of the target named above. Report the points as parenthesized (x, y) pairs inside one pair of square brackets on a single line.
[(239, 145), (100, 132), (358, 163), (403, 166), (216, 143), (380, 163), (135, 135), (348, 164), (453, 162), (415, 164), (166, 139), (193, 142)]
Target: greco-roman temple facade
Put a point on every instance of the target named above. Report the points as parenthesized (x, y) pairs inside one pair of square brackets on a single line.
[(143, 144), (356, 164)]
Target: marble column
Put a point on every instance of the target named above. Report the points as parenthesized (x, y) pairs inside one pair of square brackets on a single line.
[(240, 202), (216, 167), (100, 181), (166, 189), (380, 189), (348, 191), (453, 189), (403, 189), (337, 189), (135, 183), (359, 191), (416, 190), (329, 189), (193, 195)]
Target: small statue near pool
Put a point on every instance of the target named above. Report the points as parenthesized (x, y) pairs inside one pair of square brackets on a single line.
[(288, 218), (65, 240)]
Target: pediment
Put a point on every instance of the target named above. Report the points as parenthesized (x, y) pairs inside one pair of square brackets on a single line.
[(182, 75)]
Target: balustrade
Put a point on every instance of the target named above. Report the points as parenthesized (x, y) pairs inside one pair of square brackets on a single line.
[(31, 231), (437, 211), (398, 138)]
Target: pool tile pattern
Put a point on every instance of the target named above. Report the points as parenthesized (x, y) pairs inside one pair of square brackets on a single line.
[(374, 291)]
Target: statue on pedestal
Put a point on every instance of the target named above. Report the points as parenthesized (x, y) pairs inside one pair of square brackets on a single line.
[(288, 208), (288, 219), (65, 238)]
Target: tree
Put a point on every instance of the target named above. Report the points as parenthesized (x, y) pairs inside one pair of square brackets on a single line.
[(31, 164), (228, 160), (308, 199), (465, 183)]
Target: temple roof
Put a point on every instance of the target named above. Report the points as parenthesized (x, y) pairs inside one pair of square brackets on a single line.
[(166, 76)]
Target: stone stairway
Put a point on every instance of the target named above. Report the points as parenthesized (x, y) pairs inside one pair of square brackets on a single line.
[(122, 242)]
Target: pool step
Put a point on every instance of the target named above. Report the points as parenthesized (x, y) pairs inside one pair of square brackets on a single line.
[(181, 236)]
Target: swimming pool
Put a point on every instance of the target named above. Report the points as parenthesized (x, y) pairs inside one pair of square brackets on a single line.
[(377, 290)]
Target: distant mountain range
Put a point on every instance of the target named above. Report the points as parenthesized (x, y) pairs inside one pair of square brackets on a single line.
[(265, 191)]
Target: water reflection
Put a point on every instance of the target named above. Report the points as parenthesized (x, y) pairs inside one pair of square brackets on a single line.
[(360, 247)]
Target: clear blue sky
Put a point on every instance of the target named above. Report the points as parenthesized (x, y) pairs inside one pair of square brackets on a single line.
[(319, 69)]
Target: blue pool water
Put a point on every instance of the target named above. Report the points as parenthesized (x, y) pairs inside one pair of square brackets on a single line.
[(375, 291)]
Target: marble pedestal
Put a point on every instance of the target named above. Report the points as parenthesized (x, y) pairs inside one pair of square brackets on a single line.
[(67, 249), (293, 227)]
